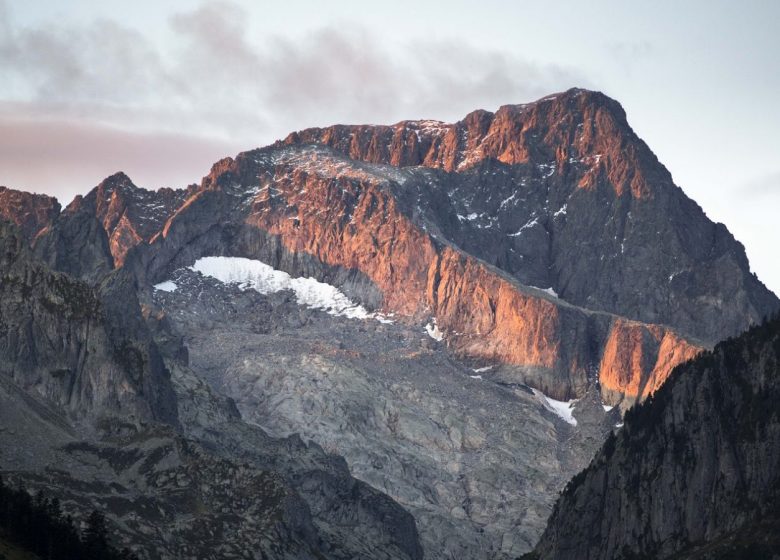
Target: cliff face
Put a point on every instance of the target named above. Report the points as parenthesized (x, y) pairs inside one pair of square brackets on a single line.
[(695, 471), (458, 223), (77, 346), (31, 213), (562, 193)]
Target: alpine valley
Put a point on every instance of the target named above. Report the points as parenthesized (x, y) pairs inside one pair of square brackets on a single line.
[(396, 342)]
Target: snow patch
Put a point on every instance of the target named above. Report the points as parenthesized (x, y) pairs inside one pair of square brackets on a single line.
[(476, 377), (564, 409), (251, 274), (483, 369), (507, 200), (607, 408), (433, 331), (527, 225), (167, 286), (548, 291)]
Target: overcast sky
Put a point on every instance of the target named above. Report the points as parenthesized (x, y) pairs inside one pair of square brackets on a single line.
[(162, 89)]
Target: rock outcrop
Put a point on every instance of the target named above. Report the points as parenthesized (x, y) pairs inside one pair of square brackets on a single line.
[(32, 213), (695, 471), (562, 193), (129, 214), (59, 339), (98, 408)]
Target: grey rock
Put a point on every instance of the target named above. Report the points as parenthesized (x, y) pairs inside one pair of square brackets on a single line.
[(695, 471), (408, 417)]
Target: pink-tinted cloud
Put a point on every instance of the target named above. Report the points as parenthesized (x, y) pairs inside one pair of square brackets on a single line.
[(65, 158), (78, 102)]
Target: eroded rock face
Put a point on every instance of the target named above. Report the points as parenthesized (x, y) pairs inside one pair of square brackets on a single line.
[(31, 213), (695, 471), (562, 193), (634, 347), (59, 340)]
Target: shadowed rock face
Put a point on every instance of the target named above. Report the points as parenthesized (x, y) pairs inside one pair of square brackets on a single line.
[(61, 341), (98, 408), (695, 471)]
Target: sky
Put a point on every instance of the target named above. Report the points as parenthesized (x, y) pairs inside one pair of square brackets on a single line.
[(162, 89)]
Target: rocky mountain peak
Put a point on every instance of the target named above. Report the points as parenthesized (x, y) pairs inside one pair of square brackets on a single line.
[(580, 134), (552, 207), (129, 214), (32, 213)]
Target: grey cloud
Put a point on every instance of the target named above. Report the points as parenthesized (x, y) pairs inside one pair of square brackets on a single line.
[(211, 78)]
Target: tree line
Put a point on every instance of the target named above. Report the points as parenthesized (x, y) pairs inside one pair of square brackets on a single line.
[(38, 525)]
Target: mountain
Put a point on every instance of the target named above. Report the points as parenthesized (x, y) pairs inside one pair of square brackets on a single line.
[(95, 412), (32, 213), (562, 193), (695, 471), (459, 223), (415, 334)]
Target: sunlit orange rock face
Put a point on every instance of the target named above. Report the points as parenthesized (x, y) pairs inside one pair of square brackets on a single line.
[(638, 358), (32, 213), (351, 224), (350, 221), (574, 126), (129, 214)]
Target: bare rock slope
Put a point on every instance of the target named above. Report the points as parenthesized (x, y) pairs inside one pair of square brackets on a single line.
[(695, 472)]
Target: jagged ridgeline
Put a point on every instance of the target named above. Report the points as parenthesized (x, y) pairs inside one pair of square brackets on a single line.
[(515, 281), (695, 471)]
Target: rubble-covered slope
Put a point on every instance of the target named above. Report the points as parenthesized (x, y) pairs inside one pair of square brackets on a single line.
[(407, 415), (98, 408)]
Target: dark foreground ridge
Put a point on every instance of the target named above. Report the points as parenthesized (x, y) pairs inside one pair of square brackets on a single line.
[(38, 525), (695, 471)]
